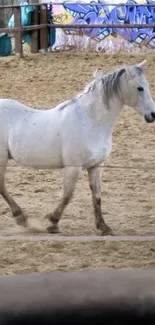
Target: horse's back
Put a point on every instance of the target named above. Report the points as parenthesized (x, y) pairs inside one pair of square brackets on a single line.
[(33, 136), (13, 106), (8, 114)]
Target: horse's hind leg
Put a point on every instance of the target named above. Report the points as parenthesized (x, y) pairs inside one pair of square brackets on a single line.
[(16, 210), (70, 179), (94, 182)]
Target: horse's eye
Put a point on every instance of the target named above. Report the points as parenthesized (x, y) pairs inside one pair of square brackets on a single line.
[(140, 88)]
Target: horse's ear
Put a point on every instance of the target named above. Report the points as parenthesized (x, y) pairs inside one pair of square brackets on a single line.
[(121, 71), (139, 65), (98, 73)]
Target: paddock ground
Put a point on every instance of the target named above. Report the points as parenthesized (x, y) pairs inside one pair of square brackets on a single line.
[(128, 196)]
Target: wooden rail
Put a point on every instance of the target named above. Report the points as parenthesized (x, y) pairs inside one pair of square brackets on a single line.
[(99, 4), (75, 26), (40, 26), (88, 26)]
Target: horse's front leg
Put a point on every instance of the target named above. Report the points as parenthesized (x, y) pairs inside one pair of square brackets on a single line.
[(70, 178), (94, 183)]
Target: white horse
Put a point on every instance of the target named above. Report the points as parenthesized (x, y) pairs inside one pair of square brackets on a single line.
[(75, 135)]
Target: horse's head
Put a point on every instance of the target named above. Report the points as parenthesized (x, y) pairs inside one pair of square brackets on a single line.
[(136, 92)]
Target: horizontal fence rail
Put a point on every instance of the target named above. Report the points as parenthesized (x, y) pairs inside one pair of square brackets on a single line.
[(82, 3), (102, 26), (75, 26)]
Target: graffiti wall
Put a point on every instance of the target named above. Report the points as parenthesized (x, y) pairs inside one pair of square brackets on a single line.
[(101, 12)]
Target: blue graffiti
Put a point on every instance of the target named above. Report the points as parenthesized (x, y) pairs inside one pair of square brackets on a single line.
[(100, 13)]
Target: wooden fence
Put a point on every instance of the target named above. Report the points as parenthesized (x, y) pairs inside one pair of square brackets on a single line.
[(40, 26)]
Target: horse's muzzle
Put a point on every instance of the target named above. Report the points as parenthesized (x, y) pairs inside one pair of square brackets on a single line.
[(150, 118)]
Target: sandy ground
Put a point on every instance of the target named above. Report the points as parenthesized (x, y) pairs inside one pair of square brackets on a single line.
[(30, 257), (128, 196)]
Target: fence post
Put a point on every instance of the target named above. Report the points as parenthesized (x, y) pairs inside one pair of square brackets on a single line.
[(18, 35), (44, 31), (35, 33)]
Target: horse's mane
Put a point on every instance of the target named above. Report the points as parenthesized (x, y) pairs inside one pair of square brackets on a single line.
[(88, 88), (110, 82)]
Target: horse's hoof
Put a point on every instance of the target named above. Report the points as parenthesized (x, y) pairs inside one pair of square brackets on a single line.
[(54, 229), (105, 230), (21, 220), (52, 217), (49, 216)]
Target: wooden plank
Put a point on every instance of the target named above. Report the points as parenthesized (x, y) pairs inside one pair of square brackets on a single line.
[(35, 21), (96, 4), (130, 26), (44, 32), (46, 26), (18, 35), (24, 29), (35, 33)]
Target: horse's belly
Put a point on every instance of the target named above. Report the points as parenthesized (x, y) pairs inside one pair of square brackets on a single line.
[(37, 154), (40, 162)]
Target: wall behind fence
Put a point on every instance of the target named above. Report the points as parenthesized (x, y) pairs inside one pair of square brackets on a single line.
[(105, 39), (6, 13)]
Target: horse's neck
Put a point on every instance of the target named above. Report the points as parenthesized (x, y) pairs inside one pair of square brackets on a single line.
[(102, 113), (113, 112)]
